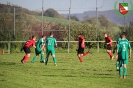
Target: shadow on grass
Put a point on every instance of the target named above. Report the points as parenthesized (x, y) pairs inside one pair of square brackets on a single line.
[(103, 75), (7, 63), (52, 75)]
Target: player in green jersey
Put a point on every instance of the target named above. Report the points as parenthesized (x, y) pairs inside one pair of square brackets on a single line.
[(122, 52), (50, 45), (40, 49)]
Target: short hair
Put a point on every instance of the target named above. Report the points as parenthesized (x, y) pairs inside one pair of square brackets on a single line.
[(80, 34), (105, 33), (124, 33), (43, 36), (51, 33), (33, 36)]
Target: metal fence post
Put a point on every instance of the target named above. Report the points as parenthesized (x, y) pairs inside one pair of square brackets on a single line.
[(9, 47)]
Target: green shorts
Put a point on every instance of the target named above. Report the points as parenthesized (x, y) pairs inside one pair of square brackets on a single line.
[(50, 51), (123, 61), (38, 51)]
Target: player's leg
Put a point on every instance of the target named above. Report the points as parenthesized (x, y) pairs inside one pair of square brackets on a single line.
[(109, 52), (117, 62), (121, 68), (53, 55), (27, 54), (42, 57), (35, 57), (80, 57), (125, 68), (47, 56), (80, 54), (117, 65), (86, 53)]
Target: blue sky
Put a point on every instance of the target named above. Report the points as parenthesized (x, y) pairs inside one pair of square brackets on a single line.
[(77, 6)]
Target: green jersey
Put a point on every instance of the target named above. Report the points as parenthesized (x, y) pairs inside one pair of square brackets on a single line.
[(50, 42), (39, 43), (123, 48)]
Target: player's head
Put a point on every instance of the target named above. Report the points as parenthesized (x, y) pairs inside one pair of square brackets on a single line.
[(51, 34), (80, 34), (105, 34), (34, 37), (43, 37), (123, 35), (80, 37)]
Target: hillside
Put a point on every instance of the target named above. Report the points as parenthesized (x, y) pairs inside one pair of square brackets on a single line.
[(109, 14)]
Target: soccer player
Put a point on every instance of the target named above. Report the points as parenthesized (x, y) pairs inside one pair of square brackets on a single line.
[(81, 46), (39, 49), (27, 47), (122, 52), (50, 44), (108, 42), (117, 59)]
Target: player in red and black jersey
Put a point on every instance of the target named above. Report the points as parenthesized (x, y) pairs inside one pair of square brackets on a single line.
[(81, 46), (108, 42), (27, 47)]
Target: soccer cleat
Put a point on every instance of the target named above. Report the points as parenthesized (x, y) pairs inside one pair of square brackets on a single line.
[(121, 77), (90, 52), (111, 58), (124, 77), (22, 62), (55, 64), (45, 63), (117, 68), (41, 61)]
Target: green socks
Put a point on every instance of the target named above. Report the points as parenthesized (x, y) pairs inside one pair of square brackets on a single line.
[(34, 59), (120, 71), (42, 58), (54, 59), (117, 64), (46, 61), (125, 71)]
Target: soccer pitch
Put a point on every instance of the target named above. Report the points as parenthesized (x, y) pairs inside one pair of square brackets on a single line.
[(97, 71)]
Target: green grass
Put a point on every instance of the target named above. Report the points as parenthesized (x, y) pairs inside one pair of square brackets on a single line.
[(97, 71)]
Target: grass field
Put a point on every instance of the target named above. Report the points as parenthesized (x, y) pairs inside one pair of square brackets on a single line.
[(97, 71)]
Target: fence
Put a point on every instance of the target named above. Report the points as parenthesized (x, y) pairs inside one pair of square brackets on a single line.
[(68, 48)]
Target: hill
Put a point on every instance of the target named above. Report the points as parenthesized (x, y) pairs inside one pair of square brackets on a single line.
[(109, 14)]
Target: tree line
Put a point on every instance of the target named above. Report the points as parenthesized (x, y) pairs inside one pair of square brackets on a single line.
[(26, 25)]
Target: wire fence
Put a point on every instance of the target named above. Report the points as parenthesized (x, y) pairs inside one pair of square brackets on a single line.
[(20, 24)]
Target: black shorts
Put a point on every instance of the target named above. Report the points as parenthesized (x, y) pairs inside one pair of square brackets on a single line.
[(80, 50), (109, 47), (26, 49)]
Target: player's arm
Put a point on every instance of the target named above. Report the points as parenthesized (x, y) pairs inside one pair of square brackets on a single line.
[(117, 50), (130, 53), (34, 44), (130, 50), (55, 43)]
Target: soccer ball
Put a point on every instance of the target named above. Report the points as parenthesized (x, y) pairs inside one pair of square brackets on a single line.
[(44, 61)]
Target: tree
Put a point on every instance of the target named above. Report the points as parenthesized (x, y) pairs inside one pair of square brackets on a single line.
[(103, 21), (74, 18), (51, 13)]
